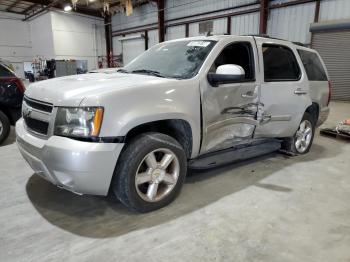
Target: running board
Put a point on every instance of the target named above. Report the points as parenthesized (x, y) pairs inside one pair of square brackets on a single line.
[(236, 153)]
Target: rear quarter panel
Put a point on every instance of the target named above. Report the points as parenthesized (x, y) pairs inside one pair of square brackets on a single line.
[(319, 91)]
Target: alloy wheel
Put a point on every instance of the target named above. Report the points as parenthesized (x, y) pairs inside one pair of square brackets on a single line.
[(303, 136), (157, 175)]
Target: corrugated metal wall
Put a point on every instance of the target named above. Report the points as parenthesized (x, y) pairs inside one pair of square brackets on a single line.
[(180, 8), (117, 46), (287, 22), (147, 14), (245, 24), (334, 10), (175, 32), (219, 27), (142, 15), (152, 38), (292, 23)]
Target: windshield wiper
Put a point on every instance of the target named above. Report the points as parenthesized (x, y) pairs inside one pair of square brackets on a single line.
[(148, 72), (122, 71)]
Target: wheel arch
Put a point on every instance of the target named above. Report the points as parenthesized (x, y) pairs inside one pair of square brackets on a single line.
[(179, 129), (314, 111)]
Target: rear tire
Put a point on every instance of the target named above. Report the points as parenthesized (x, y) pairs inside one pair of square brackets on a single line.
[(302, 140), (150, 172), (4, 127)]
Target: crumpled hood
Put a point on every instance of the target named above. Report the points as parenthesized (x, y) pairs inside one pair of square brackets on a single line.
[(71, 90)]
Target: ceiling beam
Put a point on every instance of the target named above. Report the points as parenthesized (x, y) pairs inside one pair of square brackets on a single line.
[(25, 11), (53, 3), (88, 11), (58, 4), (40, 2), (13, 5)]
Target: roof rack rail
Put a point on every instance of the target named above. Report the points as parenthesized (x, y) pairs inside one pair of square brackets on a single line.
[(267, 36), (259, 35), (300, 44)]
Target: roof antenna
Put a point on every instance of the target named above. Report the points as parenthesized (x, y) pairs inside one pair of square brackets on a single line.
[(209, 33)]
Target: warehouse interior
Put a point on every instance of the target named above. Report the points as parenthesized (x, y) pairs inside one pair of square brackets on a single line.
[(275, 207)]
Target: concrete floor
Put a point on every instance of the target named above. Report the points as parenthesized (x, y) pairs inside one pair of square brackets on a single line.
[(273, 208)]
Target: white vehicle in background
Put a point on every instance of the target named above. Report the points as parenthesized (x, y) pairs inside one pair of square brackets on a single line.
[(198, 102)]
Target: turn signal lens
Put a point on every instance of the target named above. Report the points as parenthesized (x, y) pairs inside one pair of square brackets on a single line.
[(97, 122)]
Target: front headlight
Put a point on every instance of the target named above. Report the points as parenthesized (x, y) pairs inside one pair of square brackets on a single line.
[(78, 122)]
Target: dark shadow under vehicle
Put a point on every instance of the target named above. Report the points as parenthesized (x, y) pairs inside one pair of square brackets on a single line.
[(101, 217)]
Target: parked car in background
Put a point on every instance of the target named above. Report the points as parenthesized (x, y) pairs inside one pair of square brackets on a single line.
[(199, 102), (11, 96)]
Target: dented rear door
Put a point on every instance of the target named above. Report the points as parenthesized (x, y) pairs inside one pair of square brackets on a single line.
[(284, 92)]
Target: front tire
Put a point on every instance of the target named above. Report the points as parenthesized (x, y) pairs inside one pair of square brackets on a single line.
[(302, 140), (4, 127), (150, 172)]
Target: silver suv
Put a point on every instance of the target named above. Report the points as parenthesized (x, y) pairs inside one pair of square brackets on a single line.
[(195, 102)]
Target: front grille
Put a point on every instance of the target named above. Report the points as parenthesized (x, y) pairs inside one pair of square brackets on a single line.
[(37, 126), (39, 105)]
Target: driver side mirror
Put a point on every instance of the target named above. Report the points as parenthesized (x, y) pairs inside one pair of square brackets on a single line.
[(226, 74)]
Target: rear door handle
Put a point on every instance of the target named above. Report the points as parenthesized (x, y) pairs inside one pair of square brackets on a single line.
[(299, 91)]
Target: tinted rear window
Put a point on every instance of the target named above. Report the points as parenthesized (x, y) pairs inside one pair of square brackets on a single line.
[(280, 64), (313, 66), (4, 72)]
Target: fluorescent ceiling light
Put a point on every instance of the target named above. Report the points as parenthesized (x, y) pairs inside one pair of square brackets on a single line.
[(67, 8)]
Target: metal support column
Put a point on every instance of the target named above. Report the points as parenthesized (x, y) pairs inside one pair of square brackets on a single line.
[(109, 43), (146, 39), (228, 30), (264, 10), (161, 27), (317, 11)]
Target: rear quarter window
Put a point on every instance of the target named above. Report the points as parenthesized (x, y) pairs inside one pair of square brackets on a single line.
[(280, 64), (313, 66)]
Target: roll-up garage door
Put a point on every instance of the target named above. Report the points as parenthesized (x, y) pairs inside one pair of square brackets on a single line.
[(334, 48), (132, 47)]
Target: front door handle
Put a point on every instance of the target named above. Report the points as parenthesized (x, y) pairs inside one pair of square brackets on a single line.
[(299, 91)]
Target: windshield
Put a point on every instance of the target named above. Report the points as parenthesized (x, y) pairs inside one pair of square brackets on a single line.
[(180, 59)]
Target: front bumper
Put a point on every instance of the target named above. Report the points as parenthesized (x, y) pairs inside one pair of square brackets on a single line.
[(80, 167)]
